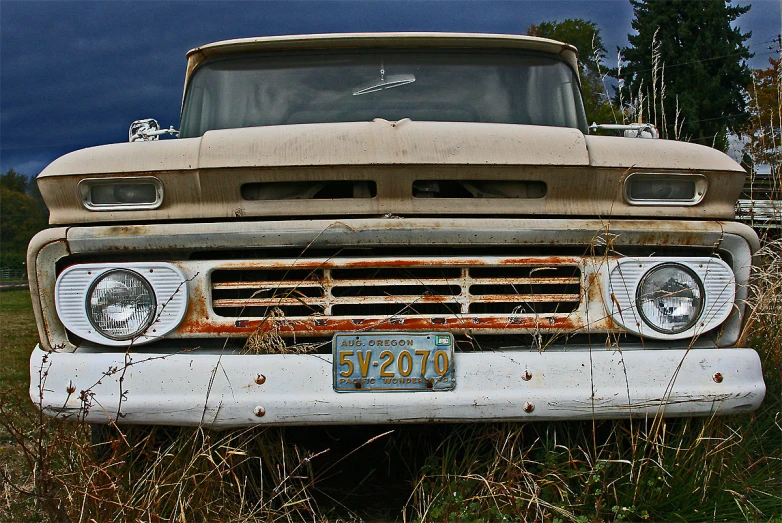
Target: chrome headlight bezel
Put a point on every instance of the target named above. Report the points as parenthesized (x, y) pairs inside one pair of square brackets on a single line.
[(624, 279), (167, 281), (143, 324)]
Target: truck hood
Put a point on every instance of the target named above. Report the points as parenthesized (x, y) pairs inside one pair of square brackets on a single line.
[(379, 142), (202, 177)]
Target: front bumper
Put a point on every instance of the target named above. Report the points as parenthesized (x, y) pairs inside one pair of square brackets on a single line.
[(223, 391)]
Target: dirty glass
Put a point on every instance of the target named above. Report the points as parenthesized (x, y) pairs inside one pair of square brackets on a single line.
[(442, 86)]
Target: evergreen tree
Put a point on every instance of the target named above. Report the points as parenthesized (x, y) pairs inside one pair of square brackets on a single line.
[(584, 35), (685, 70)]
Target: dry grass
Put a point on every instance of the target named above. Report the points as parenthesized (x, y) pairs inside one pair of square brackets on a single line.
[(266, 338)]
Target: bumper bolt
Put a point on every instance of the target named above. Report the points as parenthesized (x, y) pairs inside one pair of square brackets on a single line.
[(259, 411), (528, 407), (526, 376), (717, 377), (260, 379)]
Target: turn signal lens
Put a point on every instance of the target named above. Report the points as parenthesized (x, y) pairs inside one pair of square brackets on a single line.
[(123, 193), (665, 189), (662, 189)]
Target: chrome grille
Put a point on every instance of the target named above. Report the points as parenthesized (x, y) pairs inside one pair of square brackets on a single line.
[(410, 286)]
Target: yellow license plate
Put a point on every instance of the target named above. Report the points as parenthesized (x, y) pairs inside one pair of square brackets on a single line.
[(393, 362)]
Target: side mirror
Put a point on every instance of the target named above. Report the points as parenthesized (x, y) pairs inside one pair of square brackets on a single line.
[(147, 130)]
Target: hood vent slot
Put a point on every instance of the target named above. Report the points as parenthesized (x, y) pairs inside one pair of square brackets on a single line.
[(321, 190), (508, 189)]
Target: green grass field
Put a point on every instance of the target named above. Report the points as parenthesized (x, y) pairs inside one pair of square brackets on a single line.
[(18, 334), (721, 469)]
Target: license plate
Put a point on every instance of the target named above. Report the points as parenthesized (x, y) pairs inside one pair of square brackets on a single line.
[(392, 362)]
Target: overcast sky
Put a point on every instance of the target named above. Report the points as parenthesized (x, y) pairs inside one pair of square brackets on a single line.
[(75, 74)]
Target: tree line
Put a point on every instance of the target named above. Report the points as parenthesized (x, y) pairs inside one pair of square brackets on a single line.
[(22, 214)]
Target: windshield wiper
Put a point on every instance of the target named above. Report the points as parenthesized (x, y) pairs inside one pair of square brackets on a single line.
[(394, 80)]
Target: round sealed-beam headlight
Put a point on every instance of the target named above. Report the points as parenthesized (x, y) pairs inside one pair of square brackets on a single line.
[(121, 304), (670, 298)]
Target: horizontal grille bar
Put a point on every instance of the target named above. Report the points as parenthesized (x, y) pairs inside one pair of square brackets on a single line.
[(270, 284)]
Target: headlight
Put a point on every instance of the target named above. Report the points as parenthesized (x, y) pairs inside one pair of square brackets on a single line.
[(121, 304), (670, 298)]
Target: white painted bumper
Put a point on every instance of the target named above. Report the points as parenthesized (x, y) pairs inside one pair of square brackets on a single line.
[(193, 389)]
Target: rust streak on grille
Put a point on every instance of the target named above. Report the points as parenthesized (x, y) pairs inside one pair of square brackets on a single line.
[(526, 298), (276, 302), (406, 262), (320, 326), (270, 285)]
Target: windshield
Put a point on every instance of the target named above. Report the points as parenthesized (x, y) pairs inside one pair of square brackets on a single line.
[(353, 86)]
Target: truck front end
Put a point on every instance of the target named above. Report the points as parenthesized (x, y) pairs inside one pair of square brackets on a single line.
[(390, 228)]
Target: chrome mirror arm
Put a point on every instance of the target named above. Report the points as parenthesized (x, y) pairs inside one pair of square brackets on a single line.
[(635, 130), (148, 130)]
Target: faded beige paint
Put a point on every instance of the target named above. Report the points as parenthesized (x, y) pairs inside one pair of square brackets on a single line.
[(202, 177), (609, 151), (382, 143), (215, 193)]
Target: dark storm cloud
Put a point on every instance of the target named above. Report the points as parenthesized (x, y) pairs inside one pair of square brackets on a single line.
[(75, 74), (765, 22)]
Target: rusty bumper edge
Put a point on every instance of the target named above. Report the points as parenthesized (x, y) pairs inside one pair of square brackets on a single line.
[(239, 391)]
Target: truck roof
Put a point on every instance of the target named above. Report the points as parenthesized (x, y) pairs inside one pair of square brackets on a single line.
[(374, 40)]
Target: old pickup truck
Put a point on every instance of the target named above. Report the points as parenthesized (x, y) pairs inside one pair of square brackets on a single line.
[(389, 228)]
